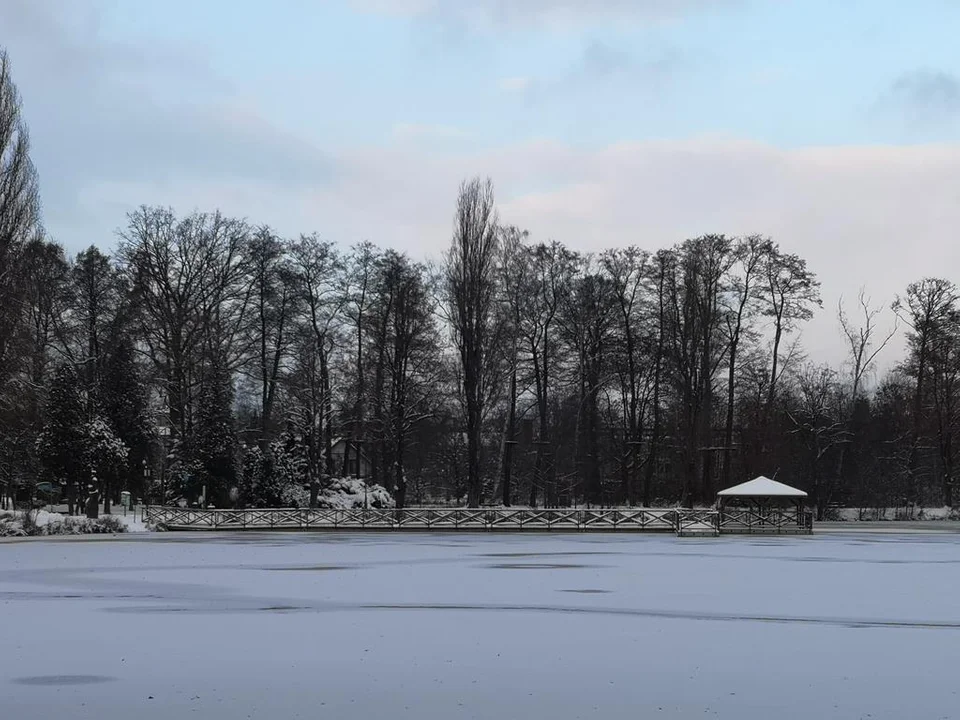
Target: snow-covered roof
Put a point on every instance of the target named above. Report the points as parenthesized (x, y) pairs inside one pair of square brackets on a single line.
[(761, 487)]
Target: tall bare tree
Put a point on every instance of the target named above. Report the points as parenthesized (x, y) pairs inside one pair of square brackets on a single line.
[(412, 356), (361, 272), (317, 266), (552, 269), (628, 271), (927, 308), (791, 292), (863, 345), (749, 254), (19, 217), (470, 272), (274, 308), (513, 271), (588, 318), (188, 278)]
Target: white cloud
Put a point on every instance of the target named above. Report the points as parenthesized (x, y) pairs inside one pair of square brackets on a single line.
[(514, 84), (527, 12), (420, 131), (102, 112)]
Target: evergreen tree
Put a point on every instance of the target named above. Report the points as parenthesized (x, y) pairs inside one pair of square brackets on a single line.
[(124, 400), (104, 456), (60, 445), (214, 442)]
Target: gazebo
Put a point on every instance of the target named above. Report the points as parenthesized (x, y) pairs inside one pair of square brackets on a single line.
[(764, 505)]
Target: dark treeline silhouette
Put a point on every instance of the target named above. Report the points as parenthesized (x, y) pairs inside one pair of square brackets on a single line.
[(208, 356)]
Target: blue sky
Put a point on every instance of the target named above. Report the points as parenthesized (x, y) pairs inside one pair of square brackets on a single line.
[(789, 73), (832, 126)]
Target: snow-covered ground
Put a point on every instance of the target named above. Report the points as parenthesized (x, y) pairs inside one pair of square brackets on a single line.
[(11, 521), (874, 514), (438, 626)]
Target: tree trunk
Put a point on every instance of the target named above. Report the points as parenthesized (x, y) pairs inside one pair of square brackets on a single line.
[(326, 405), (399, 477), (510, 440), (728, 425), (913, 458), (593, 441), (474, 485)]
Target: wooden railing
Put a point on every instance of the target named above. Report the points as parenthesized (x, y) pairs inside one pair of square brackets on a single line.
[(774, 521), (681, 521), (698, 522)]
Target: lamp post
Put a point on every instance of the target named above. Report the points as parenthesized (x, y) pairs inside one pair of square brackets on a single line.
[(146, 475)]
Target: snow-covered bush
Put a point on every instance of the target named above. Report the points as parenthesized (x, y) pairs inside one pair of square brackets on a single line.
[(296, 495), (350, 493), (11, 524), (274, 479), (72, 525), (33, 523)]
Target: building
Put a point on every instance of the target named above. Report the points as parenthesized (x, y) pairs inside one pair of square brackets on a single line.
[(358, 464)]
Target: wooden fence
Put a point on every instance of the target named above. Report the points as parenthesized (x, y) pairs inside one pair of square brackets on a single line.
[(680, 521)]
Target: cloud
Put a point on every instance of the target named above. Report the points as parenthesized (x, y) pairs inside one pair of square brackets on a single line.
[(514, 84), (101, 112), (501, 13), (925, 99), (108, 136), (873, 216), (427, 132), (602, 66)]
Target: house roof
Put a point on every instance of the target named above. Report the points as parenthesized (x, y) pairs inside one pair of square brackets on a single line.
[(337, 440), (761, 487)]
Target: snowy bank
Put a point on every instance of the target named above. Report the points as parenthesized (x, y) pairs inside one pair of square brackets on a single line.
[(894, 514), (43, 522)]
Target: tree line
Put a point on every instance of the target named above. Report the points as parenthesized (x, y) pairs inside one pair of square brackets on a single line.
[(209, 357)]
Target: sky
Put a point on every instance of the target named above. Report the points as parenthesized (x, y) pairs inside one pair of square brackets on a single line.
[(832, 126)]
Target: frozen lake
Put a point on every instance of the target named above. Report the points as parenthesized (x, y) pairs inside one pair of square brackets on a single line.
[(438, 626)]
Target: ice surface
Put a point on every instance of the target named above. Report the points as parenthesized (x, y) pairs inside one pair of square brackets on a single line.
[(845, 625)]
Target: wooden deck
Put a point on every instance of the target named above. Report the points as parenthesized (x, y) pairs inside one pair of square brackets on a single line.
[(683, 522)]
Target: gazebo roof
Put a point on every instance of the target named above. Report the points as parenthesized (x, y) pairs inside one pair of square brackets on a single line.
[(762, 487)]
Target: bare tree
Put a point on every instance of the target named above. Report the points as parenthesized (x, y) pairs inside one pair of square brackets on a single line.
[(862, 341), (514, 280), (359, 291), (816, 419), (864, 346), (275, 306), (317, 266), (552, 269), (588, 318), (694, 289), (191, 299), (412, 356), (749, 255), (628, 271), (926, 309), (471, 297), (791, 293), (19, 217)]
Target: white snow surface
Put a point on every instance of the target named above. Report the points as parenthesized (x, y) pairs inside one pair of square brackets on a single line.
[(433, 626), (131, 519), (42, 518), (762, 487)]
